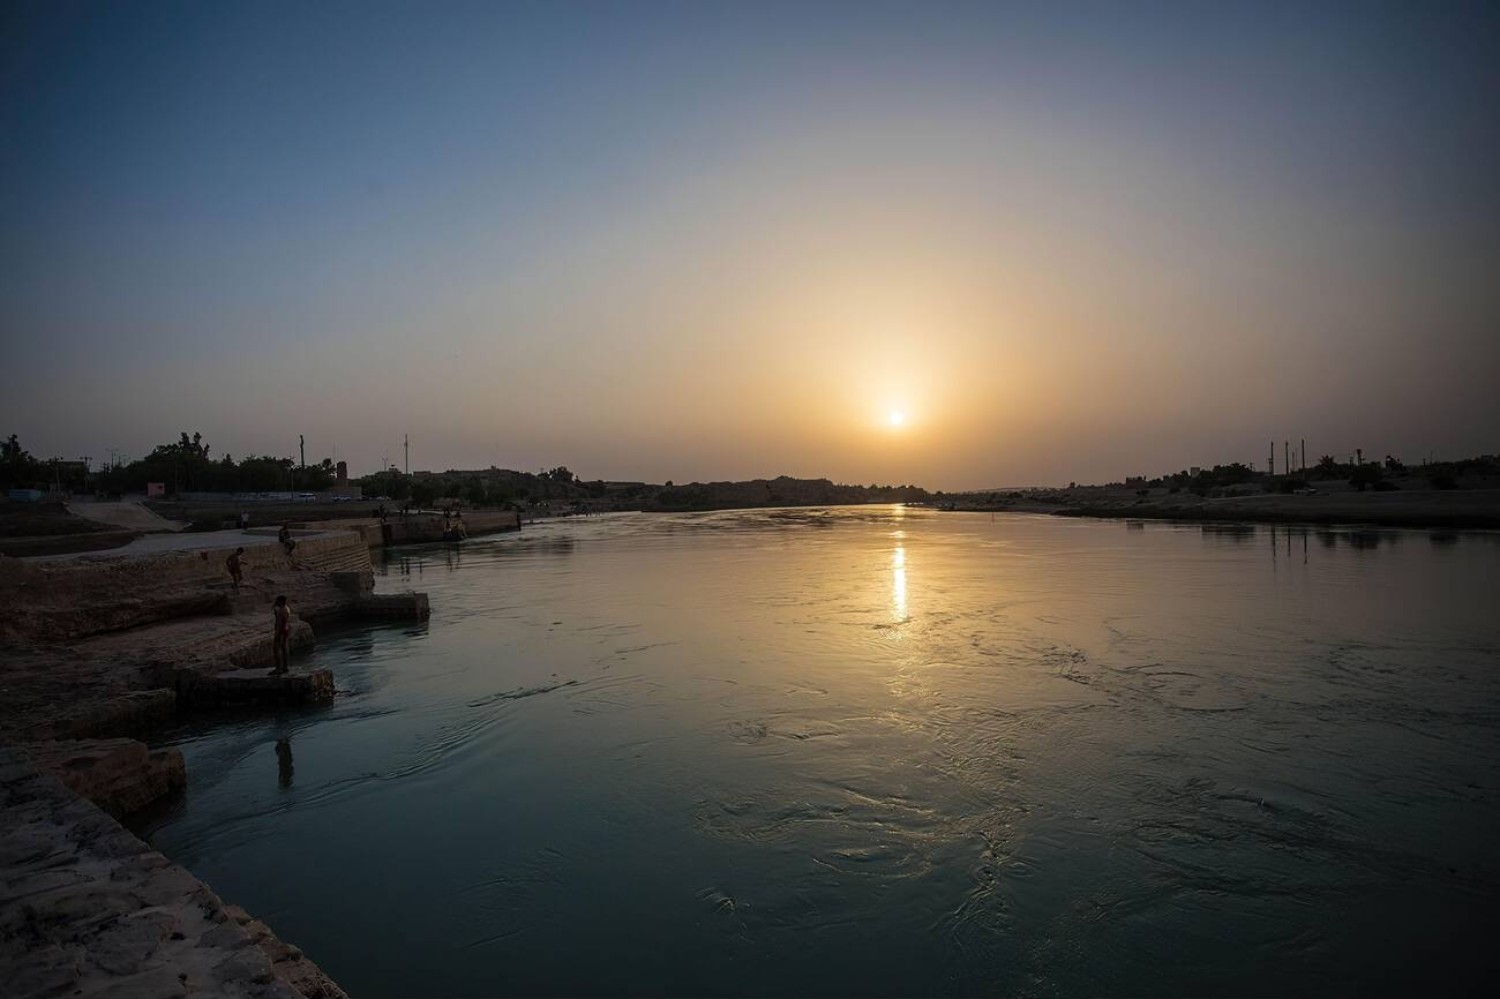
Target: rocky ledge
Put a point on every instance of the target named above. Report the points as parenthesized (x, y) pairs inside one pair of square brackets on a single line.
[(99, 647), (119, 775), (88, 909)]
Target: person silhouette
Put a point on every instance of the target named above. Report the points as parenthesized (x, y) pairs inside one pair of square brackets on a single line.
[(235, 565), (281, 614)]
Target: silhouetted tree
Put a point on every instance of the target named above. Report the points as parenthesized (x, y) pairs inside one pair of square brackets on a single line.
[(424, 492), (17, 467)]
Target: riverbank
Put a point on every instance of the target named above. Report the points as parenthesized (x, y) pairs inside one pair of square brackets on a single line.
[(424, 526), (1435, 509), (128, 528), (90, 909), (99, 650)]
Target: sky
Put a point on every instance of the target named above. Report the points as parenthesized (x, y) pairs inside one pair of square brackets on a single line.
[(650, 241)]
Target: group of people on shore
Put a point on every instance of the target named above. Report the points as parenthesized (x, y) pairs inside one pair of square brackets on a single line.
[(281, 609)]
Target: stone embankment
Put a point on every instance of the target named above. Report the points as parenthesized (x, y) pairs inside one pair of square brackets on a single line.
[(88, 909), (418, 528), (100, 647), (119, 775)]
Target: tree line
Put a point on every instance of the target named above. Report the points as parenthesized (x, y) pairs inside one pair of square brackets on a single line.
[(184, 465), (494, 487)]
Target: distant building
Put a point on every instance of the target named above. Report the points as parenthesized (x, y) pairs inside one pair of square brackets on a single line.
[(1135, 481), (1196, 469), (154, 489)]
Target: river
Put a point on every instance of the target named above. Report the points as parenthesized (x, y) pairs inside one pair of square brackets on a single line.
[(879, 751)]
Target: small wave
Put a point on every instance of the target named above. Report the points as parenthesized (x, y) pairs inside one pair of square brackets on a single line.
[(520, 692)]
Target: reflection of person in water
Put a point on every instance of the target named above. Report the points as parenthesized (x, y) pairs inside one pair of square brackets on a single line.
[(284, 762)]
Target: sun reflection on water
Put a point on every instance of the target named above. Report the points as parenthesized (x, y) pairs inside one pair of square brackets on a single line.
[(898, 581)]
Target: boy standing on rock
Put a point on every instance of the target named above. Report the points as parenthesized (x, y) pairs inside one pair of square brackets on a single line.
[(282, 615), (236, 567)]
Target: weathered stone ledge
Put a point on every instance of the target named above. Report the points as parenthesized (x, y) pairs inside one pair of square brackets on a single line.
[(132, 713), (393, 607), (114, 646), (88, 909), (256, 686), (119, 775)]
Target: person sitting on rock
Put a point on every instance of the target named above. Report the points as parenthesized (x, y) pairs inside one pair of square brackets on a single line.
[(285, 537), (236, 567)]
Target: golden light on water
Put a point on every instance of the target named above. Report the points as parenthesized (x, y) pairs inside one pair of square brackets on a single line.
[(898, 580)]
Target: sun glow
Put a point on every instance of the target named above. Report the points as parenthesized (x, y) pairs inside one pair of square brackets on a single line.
[(897, 418)]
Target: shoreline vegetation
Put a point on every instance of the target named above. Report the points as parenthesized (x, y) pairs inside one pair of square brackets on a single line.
[(1441, 495), (1470, 509)]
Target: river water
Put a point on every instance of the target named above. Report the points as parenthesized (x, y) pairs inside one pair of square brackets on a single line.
[(878, 751)]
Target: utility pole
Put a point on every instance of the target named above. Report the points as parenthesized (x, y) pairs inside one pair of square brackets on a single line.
[(1271, 464), (302, 450), (1304, 454), (1286, 457), (406, 443)]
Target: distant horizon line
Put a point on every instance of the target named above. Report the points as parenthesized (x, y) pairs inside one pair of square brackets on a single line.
[(1430, 458)]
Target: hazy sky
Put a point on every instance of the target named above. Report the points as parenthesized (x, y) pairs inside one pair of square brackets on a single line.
[(712, 240)]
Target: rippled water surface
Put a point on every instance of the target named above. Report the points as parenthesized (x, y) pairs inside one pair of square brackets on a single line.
[(870, 751)]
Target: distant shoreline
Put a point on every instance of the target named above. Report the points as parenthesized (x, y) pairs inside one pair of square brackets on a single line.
[(1466, 509)]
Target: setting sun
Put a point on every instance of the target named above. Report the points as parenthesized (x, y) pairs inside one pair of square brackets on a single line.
[(896, 418)]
